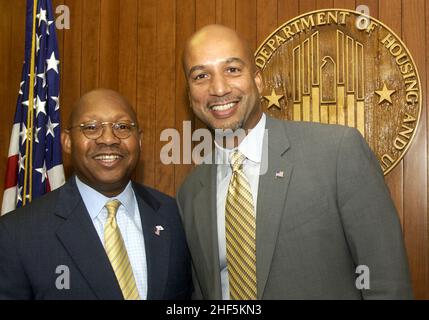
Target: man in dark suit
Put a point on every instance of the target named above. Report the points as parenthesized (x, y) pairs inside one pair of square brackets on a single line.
[(100, 236), (297, 210)]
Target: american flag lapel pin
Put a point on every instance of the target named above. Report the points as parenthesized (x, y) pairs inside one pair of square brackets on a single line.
[(158, 230), (280, 174)]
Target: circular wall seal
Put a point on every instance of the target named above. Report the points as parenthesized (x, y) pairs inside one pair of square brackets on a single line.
[(339, 66)]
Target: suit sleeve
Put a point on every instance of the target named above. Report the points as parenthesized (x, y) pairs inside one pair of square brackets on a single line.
[(196, 290), (14, 284), (370, 220)]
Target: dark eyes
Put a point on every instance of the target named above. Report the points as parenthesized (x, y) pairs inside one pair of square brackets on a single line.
[(233, 69), (229, 70), (97, 126), (90, 127), (200, 76), (123, 126)]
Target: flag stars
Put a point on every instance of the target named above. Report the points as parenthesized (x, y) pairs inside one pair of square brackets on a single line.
[(23, 134), (43, 77), (18, 194), (40, 106), (57, 102), (47, 28), (21, 163), (27, 102), (42, 16), (50, 126), (38, 43), (43, 171), (20, 87), (37, 135), (52, 63)]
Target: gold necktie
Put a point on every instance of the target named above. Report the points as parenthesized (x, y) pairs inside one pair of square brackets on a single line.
[(240, 227), (117, 253)]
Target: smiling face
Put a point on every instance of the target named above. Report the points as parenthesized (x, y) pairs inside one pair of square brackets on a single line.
[(106, 163), (223, 82)]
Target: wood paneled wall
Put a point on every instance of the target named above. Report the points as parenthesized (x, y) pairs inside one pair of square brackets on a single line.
[(134, 46)]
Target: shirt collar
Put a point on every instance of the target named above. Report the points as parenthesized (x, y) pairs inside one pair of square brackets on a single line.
[(251, 146), (95, 201)]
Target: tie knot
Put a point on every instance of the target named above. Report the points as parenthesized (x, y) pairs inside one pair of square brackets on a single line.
[(237, 160), (112, 207)]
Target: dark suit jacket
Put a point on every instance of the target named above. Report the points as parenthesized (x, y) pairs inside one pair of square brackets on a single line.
[(56, 229), (328, 214)]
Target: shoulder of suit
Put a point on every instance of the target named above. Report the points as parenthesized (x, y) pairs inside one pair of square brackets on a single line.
[(34, 213), (151, 194), (311, 131), (312, 127), (192, 179)]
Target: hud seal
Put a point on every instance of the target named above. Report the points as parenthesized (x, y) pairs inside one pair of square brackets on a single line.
[(342, 67)]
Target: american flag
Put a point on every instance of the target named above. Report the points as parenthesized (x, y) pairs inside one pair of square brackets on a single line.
[(34, 164)]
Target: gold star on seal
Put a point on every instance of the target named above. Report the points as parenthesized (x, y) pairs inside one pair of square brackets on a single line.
[(385, 94), (273, 99)]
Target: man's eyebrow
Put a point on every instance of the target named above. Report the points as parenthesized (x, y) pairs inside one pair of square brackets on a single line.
[(234, 59), (202, 67), (195, 68)]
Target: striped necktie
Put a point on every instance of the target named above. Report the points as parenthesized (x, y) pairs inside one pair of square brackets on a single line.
[(240, 227), (117, 253)]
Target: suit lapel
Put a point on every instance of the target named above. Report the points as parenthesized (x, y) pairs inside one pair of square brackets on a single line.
[(157, 247), (272, 192), (206, 227), (80, 239)]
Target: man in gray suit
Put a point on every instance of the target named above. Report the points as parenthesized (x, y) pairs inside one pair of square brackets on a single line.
[(319, 220)]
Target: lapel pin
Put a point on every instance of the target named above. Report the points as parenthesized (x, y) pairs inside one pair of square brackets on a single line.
[(158, 230), (280, 174)]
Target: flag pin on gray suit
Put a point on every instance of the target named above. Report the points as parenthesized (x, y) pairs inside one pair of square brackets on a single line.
[(158, 230), (280, 174)]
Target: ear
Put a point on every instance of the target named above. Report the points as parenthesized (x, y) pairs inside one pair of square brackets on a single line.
[(140, 139), (188, 91), (259, 81), (66, 141)]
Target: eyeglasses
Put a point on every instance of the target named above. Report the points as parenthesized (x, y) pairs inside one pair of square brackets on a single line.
[(94, 129)]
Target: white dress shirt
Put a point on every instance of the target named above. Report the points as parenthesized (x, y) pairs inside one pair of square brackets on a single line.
[(129, 223), (251, 147)]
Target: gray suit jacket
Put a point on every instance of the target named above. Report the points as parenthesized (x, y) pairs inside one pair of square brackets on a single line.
[(330, 213)]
